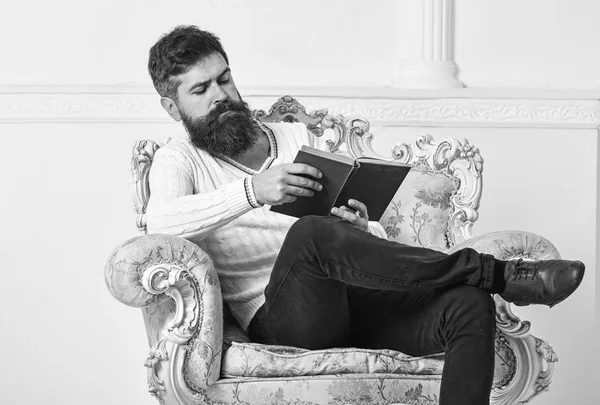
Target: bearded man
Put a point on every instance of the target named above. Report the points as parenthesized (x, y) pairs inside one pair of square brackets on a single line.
[(317, 282)]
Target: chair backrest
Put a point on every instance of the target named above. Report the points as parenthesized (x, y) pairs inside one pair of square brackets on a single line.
[(452, 175), (437, 204)]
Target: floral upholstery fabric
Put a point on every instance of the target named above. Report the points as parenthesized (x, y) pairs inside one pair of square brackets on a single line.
[(242, 358), (257, 360), (355, 389), (419, 212), (504, 245)]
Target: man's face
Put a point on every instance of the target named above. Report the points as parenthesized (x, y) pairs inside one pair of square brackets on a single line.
[(212, 111), (205, 85)]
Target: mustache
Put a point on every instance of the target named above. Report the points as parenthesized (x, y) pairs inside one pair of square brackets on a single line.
[(225, 106)]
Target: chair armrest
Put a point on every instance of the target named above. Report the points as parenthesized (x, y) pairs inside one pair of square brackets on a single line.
[(505, 245), (528, 361), (148, 269)]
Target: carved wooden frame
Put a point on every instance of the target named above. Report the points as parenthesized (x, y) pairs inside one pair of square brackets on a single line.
[(175, 284), (288, 109), (165, 362), (454, 156), (166, 357), (534, 359)]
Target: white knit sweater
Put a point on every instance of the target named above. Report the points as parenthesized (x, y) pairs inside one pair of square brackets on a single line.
[(203, 199)]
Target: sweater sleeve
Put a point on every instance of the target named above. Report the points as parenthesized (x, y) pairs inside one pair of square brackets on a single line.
[(173, 207)]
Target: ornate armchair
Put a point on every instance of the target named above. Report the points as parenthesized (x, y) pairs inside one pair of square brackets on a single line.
[(199, 355)]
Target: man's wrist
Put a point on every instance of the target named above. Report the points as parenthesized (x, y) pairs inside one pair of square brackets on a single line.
[(250, 195)]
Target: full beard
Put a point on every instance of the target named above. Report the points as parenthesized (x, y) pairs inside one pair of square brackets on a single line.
[(227, 130)]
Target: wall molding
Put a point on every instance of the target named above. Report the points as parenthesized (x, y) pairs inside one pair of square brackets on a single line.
[(382, 106)]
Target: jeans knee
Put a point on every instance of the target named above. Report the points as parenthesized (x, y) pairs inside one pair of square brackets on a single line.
[(314, 228), (306, 225)]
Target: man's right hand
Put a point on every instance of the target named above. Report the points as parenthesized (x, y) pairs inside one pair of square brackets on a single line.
[(282, 184)]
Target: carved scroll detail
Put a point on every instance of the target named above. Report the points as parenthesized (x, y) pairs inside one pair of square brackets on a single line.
[(543, 381), (288, 109), (185, 317), (507, 321), (178, 284), (158, 353), (143, 154), (534, 359), (358, 137), (175, 387)]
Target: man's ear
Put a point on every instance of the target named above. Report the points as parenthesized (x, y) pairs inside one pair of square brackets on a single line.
[(171, 108)]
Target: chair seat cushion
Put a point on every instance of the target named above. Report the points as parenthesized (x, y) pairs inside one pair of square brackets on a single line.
[(258, 360)]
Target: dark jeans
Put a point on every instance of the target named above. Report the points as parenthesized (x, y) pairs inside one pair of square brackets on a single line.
[(334, 285)]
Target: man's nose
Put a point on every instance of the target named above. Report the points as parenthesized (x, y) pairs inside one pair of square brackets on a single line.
[(219, 94)]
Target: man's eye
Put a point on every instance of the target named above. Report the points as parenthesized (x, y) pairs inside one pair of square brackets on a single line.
[(224, 81), (199, 92)]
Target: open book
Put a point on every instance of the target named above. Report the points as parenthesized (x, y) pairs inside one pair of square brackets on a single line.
[(373, 182)]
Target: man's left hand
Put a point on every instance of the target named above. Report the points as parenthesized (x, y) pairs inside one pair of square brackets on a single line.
[(358, 217)]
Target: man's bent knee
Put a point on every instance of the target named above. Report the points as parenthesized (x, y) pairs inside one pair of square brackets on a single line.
[(313, 227)]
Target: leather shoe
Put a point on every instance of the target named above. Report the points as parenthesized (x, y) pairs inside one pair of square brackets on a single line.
[(545, 282)]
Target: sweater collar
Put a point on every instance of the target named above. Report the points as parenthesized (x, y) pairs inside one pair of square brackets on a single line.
[(272, 153)]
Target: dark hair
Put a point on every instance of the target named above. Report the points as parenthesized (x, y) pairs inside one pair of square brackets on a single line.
[(175, 52)]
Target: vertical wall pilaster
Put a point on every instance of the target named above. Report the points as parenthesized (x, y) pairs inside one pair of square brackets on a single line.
[(431, 65)]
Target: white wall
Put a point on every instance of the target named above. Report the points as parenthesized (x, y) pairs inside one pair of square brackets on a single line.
[(107, 42), (509, 43), (66, 200), (66, 205), (531, 43)]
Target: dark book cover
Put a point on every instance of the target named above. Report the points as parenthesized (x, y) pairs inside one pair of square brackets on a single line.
[(370, 181), (374, 184), (336, 170)]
